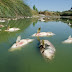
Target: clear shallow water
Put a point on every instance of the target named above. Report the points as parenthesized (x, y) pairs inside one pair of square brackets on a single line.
[(29, 58)]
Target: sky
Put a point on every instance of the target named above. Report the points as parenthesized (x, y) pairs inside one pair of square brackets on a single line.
[(50, 5)]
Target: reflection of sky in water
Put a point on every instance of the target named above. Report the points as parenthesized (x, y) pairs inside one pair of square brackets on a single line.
[(29, 58)]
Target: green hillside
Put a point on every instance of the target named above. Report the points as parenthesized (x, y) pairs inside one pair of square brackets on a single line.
[(14, 8)]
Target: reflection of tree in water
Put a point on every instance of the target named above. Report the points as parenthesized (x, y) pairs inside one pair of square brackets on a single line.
[(68, 21), (35, 22), (22, 24)]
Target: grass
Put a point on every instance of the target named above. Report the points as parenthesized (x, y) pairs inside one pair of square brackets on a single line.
[(34, 12), (14, 8)]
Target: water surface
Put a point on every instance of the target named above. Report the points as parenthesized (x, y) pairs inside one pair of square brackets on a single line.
[(29, 58)]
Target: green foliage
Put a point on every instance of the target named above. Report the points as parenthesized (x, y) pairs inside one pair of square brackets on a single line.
[(66, 13), (34, 8), (14, 8), (49, 13)]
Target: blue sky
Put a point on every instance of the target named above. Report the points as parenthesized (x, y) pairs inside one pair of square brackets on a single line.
[(51, 5)]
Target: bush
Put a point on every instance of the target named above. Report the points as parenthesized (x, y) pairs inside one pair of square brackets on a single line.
[(66, 13)]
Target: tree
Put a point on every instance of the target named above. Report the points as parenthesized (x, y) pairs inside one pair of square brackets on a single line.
[(34, 8)]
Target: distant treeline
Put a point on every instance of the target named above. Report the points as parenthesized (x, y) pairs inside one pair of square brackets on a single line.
[(57, 13), (14, 8), (49, 13), (66, 13)]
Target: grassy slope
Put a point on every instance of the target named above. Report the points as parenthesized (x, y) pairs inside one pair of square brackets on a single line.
[(14, 8)]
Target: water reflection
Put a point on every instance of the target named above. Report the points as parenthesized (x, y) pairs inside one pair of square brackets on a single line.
[(35, 20), (29, 57), (22, 24), (68, 21), (57, 19)]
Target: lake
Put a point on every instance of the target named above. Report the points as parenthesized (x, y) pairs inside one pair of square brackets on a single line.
[(29, 58)]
